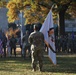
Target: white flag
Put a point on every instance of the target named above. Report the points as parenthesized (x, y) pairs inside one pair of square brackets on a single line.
[(48, 23)]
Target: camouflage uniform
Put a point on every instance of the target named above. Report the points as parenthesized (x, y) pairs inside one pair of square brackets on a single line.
[(37, 47)]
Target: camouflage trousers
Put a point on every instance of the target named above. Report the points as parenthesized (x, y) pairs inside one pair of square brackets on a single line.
[(37, 57)]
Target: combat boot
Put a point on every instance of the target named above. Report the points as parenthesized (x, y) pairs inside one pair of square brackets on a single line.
[(34, 70)]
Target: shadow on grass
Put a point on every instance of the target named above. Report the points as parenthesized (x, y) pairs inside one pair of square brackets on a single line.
[(64, 65), (12, 64)]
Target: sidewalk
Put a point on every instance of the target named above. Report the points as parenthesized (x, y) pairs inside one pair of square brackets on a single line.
[(18, 50)]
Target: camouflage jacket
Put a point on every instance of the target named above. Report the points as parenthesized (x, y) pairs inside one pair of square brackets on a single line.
[(37, 39)]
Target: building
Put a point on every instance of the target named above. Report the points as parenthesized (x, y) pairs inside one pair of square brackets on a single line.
[(70, 26), (3, 19)]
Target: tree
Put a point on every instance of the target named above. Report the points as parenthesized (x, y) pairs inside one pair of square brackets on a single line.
[(15, 7), (39, 9), (34, 14), (61, 7), (3, 3)]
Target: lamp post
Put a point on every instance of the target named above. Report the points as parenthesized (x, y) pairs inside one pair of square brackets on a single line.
[(21, 26), (22, 20)]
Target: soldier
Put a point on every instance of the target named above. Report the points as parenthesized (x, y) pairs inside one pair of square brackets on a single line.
[(13, 42), (26, 44), (36, 40)]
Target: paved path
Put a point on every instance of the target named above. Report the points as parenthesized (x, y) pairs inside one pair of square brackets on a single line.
[(58, 55), (18, 51)]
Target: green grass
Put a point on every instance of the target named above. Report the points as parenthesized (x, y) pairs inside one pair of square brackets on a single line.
[(18, 66)]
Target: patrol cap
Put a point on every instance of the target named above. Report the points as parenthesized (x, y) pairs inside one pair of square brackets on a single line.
[(35, 26)]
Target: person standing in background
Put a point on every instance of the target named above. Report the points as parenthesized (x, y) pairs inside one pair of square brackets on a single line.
[(26, 44), (13, 42), (4, 41), (8, 46)]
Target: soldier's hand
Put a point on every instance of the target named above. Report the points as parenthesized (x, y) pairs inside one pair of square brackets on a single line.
[(46, 43)]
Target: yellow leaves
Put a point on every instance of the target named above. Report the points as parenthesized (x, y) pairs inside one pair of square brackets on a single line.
[(30, 21), (27, 3), (3, 3), (14, 7), (12, 13), (21, 4), (33, 6), (17, 1), (72, 9), (11, 5), (34, 14), (10, 20), (26, 14), (33, 17), (13, 16)]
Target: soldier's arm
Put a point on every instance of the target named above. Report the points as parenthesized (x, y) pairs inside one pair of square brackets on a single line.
[(47, 44)]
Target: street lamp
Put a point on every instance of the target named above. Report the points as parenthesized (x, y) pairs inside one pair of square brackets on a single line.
[(21, 24), (22, 19)]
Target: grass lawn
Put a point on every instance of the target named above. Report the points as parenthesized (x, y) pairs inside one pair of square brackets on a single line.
[(66, 65)]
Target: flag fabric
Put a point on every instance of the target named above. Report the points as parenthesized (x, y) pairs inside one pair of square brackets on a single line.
[(48, 23)]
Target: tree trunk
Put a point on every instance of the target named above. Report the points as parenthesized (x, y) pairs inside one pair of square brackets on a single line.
[(61, 23)]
